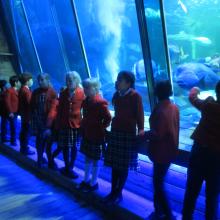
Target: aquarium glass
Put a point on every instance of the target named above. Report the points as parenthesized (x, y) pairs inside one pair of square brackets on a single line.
[(54, 33), (156, 39), (111, 37)]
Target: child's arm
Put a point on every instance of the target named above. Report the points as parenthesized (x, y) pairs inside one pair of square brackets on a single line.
[(196, 101)]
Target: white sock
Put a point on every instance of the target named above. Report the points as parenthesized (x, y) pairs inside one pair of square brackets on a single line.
[(95, 172), (88, 163)]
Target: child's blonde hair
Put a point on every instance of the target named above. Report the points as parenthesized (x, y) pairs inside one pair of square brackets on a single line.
[(75, 75), (92, 82)]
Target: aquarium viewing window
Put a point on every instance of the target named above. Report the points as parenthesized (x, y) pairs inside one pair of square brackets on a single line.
[(155, 39)]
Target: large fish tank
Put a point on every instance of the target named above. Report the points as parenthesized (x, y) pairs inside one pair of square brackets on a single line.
[(175, 40)]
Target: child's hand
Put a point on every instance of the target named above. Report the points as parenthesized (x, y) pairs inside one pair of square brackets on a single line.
[(141, 132)]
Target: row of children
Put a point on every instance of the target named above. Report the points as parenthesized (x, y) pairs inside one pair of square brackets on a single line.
[(81, 113)]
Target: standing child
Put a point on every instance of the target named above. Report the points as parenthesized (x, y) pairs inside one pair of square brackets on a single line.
[(11, 103), (24, 96), (43, 107), (68, 121), (96, 118), (121, 153), (3, 112), (163, 146)]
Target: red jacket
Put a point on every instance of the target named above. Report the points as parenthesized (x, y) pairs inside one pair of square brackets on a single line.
[(96, 118), (129, 112), (24, 96), (11, 100), (69, 109), (50, 103), (164, 132), (207, 133)]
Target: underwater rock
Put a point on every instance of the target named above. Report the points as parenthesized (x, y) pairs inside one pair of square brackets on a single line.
[(189, 75)]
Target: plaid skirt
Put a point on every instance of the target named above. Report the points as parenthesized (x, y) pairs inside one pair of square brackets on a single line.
[(91, 149), (121, 152), (68, 137)]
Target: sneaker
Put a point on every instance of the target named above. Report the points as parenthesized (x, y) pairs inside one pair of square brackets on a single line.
[(90, 188)]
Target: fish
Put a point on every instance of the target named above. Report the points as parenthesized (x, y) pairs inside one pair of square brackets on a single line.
[(151, 13), (192, 74), (184, 8), (203, 40), (182, 36)]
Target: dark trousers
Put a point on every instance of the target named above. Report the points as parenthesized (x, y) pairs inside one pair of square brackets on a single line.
[(161, 204), (13, 126), (4, 122), (203, 166), (24, 136), (119, 178), (43, 143), (69, 155)]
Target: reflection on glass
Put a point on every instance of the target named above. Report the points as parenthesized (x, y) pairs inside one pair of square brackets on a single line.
[(193, 33), (156, 39), (111, 37), (26, 52)]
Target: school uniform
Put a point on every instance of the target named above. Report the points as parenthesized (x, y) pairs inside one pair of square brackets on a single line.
[(121, 151), (24, 96), (163, 148), (68, 123), (43, 108), (96, 118), (204, 163), (11, 104)]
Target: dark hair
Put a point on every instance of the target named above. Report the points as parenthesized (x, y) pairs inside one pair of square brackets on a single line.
[(43, 75), (128, 77), (2, 84), (163, 89), (25, 77), (13, 79)]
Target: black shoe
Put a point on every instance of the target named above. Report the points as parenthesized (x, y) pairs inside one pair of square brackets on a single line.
[(90, 188), (117, 199), (69, 173), (27, 152), (52, 165), (107, 198), (156, 216), (83, 185)]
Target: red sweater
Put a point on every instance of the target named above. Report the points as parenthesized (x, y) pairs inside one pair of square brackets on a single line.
[(129, 113), (207, 133), (11, 100), (24, 96), (96, 118), (164, 132), (50, 103), (69, 109)]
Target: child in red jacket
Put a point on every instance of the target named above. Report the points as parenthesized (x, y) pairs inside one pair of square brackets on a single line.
[(11, 104), (96, 118), (68, 121), (43, 108), (24, 96), (121, 153), (3, 112)]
